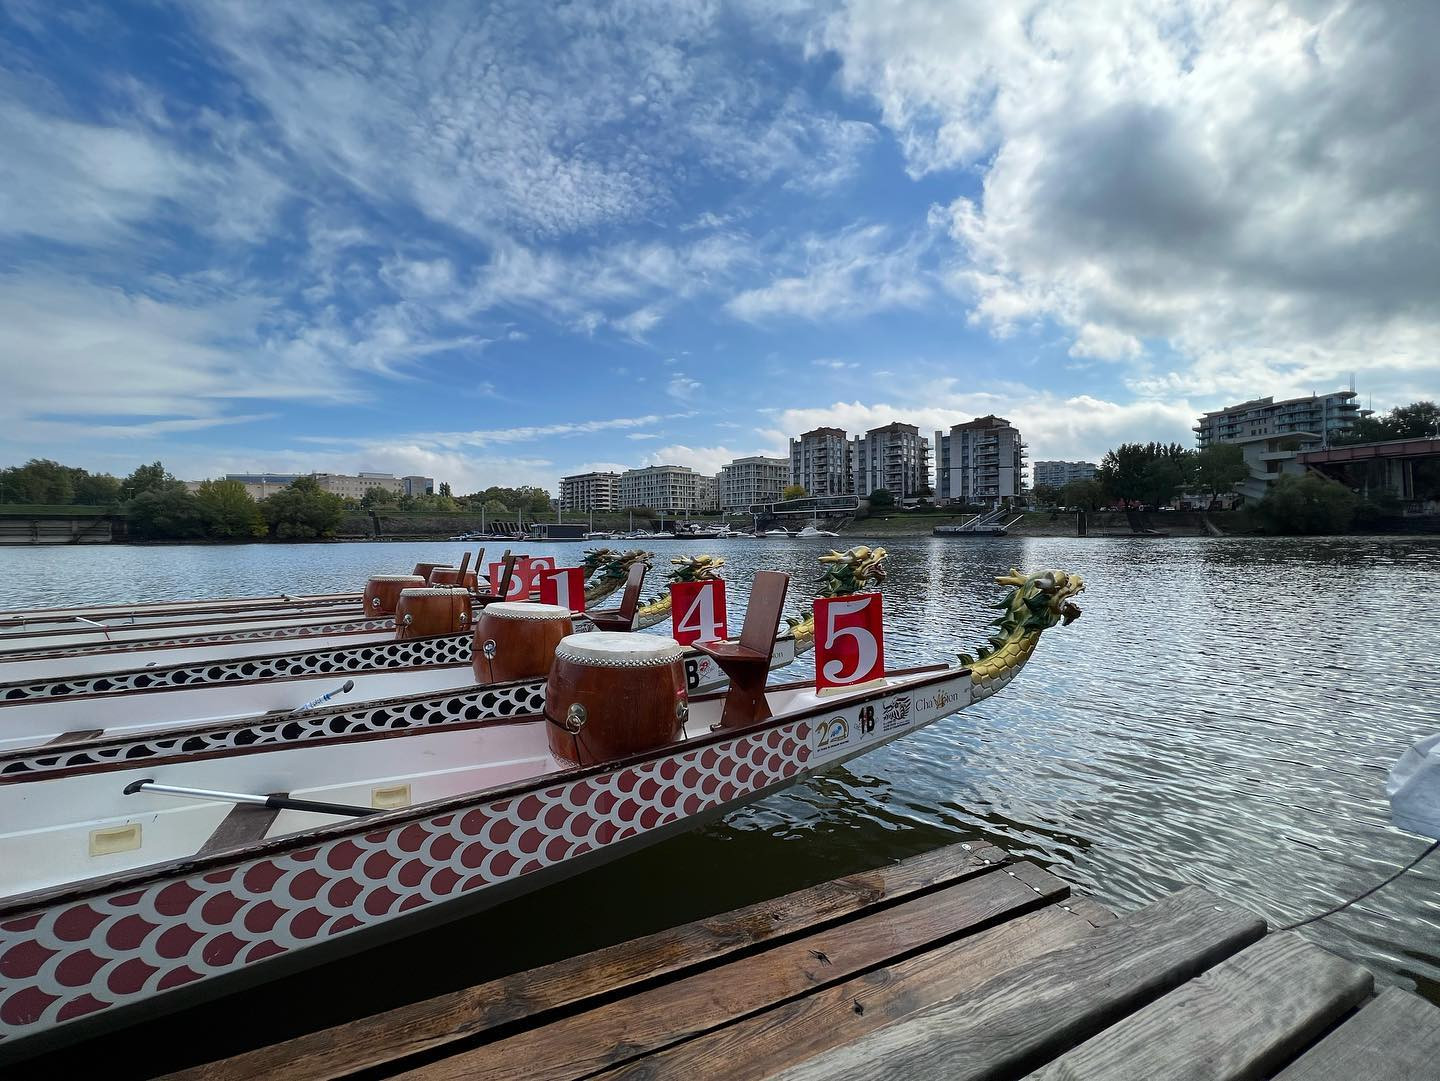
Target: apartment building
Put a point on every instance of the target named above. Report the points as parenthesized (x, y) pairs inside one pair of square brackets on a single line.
[(1271, 435), (1059, 474), (747, 481), (895, 457), (345, 485), (668, 488), (981, 462), (588, 491), (820, 462)]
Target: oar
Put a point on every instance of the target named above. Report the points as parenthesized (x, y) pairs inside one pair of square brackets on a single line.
[(279, 803), (101, 626), (344, 688)]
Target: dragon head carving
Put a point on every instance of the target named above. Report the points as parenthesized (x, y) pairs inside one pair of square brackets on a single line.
[(695, 568), (842, 573), (1036, 602)]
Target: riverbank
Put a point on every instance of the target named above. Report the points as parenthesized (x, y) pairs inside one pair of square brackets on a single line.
[(1058, 524)]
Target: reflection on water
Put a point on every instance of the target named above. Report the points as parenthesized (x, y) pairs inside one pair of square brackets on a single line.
[(1223, 716)]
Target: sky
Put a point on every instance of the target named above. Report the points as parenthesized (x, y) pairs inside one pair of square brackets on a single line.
[(497, 243)]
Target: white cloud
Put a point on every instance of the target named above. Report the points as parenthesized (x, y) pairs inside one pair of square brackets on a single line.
[(682, 388), (1250, 185)]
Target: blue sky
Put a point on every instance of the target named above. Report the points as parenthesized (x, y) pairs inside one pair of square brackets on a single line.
[(497, 243)]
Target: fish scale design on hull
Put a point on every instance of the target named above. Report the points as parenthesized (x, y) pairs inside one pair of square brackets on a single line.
[(78, 957), (373, 657)]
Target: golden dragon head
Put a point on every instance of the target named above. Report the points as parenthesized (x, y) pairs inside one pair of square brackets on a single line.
[(1036, 603), (843, 573), (695, 568)]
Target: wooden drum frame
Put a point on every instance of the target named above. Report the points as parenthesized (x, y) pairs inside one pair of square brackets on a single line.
[(428, 611), (517, 640), (382, 592), (613, 694)]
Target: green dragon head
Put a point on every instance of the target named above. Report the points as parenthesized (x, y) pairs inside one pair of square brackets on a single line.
[(1036, 602), (843, 573), (617, 565), (695, 568)]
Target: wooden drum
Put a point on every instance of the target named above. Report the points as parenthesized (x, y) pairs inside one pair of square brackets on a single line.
[(517, 640), (382, 592), (612, 694), (432, 610), (424, 569), (450, 576)]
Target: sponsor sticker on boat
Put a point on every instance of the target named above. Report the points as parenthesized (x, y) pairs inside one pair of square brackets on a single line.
[(896, 713)]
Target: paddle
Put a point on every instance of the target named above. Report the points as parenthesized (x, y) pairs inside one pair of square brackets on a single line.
[(344, 688), (281, 803)]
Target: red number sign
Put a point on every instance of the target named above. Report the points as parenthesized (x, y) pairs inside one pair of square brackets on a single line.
[(565, 587), (849, 640), (526, 578), (697, 611)]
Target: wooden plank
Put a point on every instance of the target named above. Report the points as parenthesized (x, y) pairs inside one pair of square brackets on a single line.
[(617, 1031), (1245, 1018), (245, 823), (795, 1031), (1090, 910), (1021, 1020), (424, 1026), (1394, 1038)]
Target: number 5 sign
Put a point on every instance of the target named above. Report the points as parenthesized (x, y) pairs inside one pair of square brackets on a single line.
[(565, 587), (697, 611), (849, 641)]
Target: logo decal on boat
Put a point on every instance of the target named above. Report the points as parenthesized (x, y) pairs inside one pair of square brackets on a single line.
[(896, 713), (943, 699), (832, 733)]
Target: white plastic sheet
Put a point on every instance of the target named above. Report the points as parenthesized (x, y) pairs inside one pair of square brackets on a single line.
[(1414, 789)]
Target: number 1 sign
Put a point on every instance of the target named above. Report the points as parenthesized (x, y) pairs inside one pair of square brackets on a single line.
[(564, 587), (697, 611), (849, 641)]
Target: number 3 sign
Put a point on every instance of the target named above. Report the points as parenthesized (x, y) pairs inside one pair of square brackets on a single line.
[(697, 611), (849, 641)]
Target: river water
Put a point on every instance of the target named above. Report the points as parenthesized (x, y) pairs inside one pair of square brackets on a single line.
[(1223, 715)]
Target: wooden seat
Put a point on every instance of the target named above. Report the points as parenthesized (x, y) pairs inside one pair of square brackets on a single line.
[(507, 562), (623, 617), (747, 661)]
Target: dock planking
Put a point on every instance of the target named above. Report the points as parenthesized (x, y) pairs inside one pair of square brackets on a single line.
[(960, 963)]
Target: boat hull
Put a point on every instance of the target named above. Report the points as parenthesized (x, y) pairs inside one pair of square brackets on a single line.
[(84, 957)]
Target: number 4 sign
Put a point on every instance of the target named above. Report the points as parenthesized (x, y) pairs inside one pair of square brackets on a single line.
[(564, 587), (697, 611), (849, 641)]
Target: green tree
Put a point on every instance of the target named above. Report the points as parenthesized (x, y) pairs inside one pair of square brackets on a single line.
[(97, 489), (1307, 504), (881, 499), (1045, 495), (230, 512), (1145, 472), (794, 491), (1087, 494), (149, 478), (168, 513), (376, 496), (40, 480), (445, 488), (303, 510), (494, 506), (1219, 467), (1418, 420)]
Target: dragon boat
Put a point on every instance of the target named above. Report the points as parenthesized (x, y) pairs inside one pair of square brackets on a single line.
[(119, 713), (127, 891), (82, 650)]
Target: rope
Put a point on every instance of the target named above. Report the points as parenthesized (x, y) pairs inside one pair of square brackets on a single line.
[(1373, 889)]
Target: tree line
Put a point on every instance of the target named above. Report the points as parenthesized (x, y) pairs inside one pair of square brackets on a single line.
[(1150, 475), (157, 506)]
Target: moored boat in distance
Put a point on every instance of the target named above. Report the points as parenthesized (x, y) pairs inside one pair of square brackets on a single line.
[(138, 880)]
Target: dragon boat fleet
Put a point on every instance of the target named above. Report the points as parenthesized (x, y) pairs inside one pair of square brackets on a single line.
[(161, 853)]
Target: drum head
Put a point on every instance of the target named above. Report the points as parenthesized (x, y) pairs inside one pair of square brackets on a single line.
[(526, 610), (618, 649)]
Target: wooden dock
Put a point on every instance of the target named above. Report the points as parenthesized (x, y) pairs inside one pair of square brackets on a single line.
[(961, 963)]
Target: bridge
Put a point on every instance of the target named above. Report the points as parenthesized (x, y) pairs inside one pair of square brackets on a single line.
[(1408, 469), (821, 506)]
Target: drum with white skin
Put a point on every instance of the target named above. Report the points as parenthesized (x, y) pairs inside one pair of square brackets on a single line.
[(612, 694), (517, 640), (382, 592), (432, 610)]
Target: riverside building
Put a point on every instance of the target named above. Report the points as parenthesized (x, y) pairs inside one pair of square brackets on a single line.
[(588, 491), (345, 485), (748, 481), (1272, 434), (669, 488), (820, 462), (895, 458), (1059, 474), (979, 462)]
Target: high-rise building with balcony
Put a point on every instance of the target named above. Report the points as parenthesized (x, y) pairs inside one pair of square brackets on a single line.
[(1059, 474), (820, 462), (660, 487), (895, 457), (1272, 434), (748, 481), (981, 461), (588, 491)]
